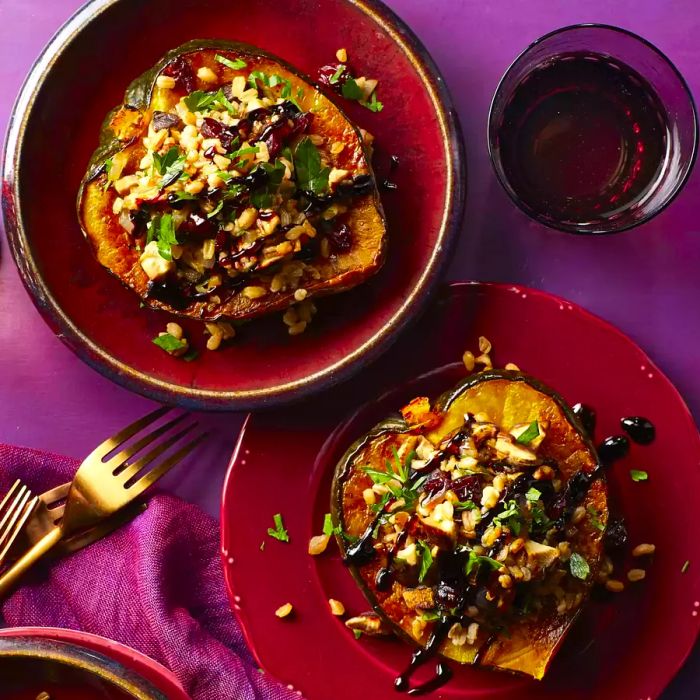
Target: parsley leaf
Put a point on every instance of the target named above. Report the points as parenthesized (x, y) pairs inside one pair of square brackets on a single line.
[(579, 566), (531, 432), (170, 165), (426, 559), (351, 90), (465, 505), (336, 76), (638, 475), (533, 495), (328, 528), (595, 518), (278, 532), (198, 101), (162, 230), (373, 104), (237, 64), (181, 195), (510, 516), (168, 342), (475, 561), (357, 633), (310, 174), (429, 616), (262, 198)]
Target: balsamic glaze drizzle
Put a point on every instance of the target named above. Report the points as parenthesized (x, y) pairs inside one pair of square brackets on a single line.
[(613, 449), (640, 429)]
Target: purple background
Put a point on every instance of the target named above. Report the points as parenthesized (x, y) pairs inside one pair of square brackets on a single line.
[(646, 281)]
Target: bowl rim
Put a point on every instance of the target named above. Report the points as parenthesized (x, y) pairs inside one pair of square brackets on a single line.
[(100, 359), (674, 69), (72, 655)]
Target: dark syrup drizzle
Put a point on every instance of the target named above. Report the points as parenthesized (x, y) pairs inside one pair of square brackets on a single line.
[(641, 430), (613, 449)]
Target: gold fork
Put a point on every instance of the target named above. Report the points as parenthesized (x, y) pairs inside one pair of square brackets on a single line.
[(15, 510), (103, 485)]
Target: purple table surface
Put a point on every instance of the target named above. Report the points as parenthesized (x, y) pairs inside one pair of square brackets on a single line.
[(646, 281)]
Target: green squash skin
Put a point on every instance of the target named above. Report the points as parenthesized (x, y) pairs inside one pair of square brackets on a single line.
[(397, 424), (139, 92)]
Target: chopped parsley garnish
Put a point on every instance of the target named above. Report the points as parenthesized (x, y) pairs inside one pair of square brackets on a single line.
[(328, 528), (181, 195), (397, 471), (278, 532), (426, 559), (338, 72), (533, 495), (351, 90), (263, 198), (510, 517), (595, 518), (529, 434), (475, 561), (216, 209), (686, 566), (579, 566), (465, 505), (170, 165), (311, 175), (429, 616), (357, 633), (373, 104), (169, 343), (199, 101), (162, 230), (108, 167), (272, 80), (638, 475), (234, 65)]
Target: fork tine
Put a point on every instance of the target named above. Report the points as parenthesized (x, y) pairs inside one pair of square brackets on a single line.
[(55, 495), (158, 450), (157, 472), (17, 527), (119, 459), (9, 494), (110, 444), (20, 500)]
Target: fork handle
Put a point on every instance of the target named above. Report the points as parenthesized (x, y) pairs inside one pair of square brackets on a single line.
[(20, 567)]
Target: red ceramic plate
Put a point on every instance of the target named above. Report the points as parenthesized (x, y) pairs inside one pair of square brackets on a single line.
[(627, 648), (68, 93), (130, 659)]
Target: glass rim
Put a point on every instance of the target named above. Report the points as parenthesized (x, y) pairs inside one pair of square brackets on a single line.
[(578, 229)]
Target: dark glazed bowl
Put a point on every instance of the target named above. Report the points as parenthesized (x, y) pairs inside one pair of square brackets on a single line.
[(83, 73), (30, 665)]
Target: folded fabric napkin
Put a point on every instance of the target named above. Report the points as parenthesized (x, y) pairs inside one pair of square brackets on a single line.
[(155, 585)]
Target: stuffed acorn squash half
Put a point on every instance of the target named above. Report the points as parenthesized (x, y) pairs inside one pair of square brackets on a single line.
[(227, 185), (475, 526)]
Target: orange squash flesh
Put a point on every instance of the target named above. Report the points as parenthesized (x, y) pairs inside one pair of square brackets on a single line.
[(122, 138), (509, 399)]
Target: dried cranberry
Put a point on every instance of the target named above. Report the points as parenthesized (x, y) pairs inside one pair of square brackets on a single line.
[(446, 595), (275, 134), (164, 120), (213, 129), (467, 488), (325, 73), (257, 115), (244, 127), (180, 69), (616, 534), (340, 238), (221, 242), (198, 225), (436, 484)]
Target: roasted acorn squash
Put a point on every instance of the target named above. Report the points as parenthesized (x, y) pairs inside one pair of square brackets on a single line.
[(354, 250), (509, 468)]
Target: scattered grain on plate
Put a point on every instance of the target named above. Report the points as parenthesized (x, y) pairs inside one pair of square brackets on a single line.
[(614, 586), (337, 608), (512, 367), (43, 696), (636, 575), (686, 566), (468, 359), (642, 550), (341, 55), (284, 610)]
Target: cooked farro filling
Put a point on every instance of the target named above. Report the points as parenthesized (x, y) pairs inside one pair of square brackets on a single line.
[(233, 183)]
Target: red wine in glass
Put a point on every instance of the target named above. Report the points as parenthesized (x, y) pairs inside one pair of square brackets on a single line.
[(582, 137)]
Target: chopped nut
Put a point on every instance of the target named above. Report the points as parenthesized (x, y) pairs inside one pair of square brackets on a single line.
[(369, 623), (505, 581), (485, 360), (153, 264), (318, 544), (175, 329), (300, 294), (489, 497), (284, 610), (369, 496), (342, 55), (636, 575), (337, 147), (643, 549), (207, 75), (512, 367), (337, 175), (484, 344), (337, 608), (165, 82), (124, 184), (297, 328), (457, 635)]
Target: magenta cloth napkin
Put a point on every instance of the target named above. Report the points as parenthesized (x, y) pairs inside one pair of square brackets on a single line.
[(155, 585)]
